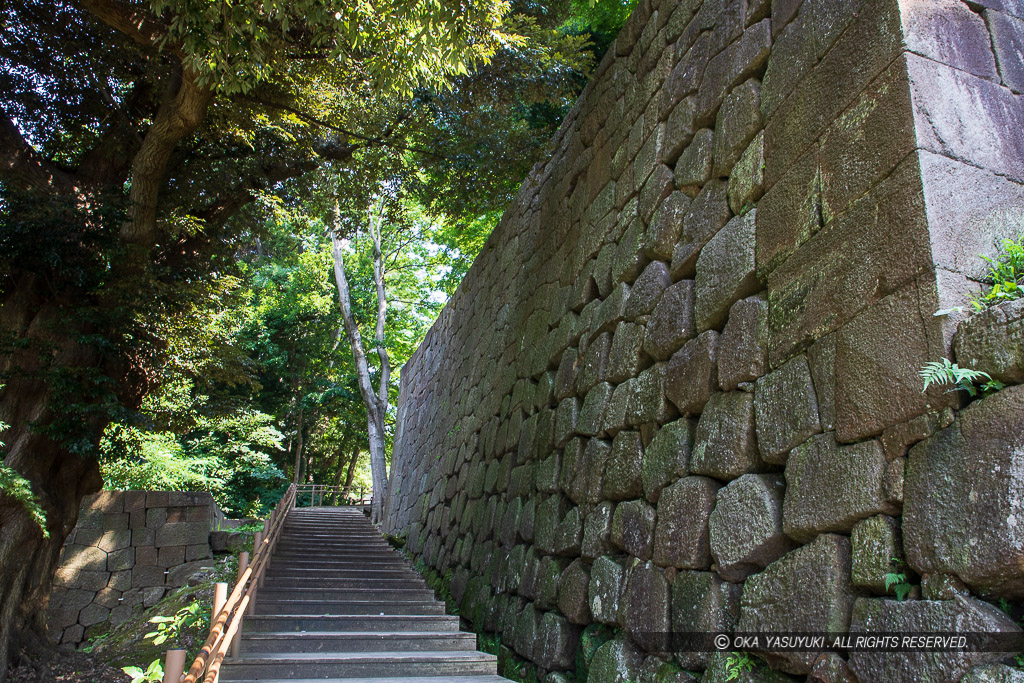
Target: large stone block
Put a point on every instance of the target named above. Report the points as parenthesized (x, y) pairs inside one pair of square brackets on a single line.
[(672, 322), (725, 272), (647, 289), (693, 169), (1008, 42), (702, 603), (806, 590), (746, 182), (557, 642), (877, 549), (745, 528), (831, 487), (622, 478), (681, 536), (739, 120), (970, 528), (607, 578), (956, 112), (726, 446), (616, 661), (645, 607), (646, 402), (993, 341), (966, 616), (590, 421), (633, 528), (743, 347), (692, 375), (708, 213), (786, 409), (664, 229), (667, 457), (597, 530), (789, 213)]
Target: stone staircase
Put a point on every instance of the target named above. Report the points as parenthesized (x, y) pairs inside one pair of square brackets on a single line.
[(339, 604)]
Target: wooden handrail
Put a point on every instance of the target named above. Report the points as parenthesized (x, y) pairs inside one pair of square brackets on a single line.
[(229, 619), (322, 492)]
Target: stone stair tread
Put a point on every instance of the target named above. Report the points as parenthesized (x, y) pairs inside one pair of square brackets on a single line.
[(386, 655), (400, 679)]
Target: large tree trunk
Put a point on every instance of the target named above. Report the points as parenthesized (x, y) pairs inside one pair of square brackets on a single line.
[(376, 401), (58, 476)]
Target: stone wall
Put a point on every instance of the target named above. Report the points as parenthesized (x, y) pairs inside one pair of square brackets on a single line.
[(678, 390), (127, 550)]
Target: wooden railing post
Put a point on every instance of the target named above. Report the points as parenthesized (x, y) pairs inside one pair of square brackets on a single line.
[(174, 666), (236, 644)]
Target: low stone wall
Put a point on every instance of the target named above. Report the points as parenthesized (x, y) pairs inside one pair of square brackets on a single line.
[(127, 550), (678, 389)]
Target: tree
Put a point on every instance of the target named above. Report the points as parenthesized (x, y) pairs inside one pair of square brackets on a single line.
[(124, 162)]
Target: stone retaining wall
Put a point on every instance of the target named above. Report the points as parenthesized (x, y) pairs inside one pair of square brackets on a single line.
[(127, 550), (678, 390)]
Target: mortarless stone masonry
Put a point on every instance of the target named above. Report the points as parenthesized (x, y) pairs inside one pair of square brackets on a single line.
[(682, 372), (126, 550)]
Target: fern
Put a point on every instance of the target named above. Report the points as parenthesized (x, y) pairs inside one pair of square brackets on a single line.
[(737, 664), (946, 373), (1005, 275)]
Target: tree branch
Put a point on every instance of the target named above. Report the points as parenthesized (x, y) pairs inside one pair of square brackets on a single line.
[(137, 25), (25, 168)]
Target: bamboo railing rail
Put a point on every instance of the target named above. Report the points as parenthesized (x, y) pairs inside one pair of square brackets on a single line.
[(227, 622)]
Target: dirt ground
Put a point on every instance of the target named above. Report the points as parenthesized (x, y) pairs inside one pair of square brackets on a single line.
[(66, 667)]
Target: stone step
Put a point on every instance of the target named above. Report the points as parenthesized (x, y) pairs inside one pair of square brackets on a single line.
[(359, 641), (349, 664), (382, 563), (274, 592), (285, 581), (389, 679), (264, 623), (332, 564), (346, 607)]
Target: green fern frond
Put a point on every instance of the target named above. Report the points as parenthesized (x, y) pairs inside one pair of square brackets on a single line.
[(946, 373)]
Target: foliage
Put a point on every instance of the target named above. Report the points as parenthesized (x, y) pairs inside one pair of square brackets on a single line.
[(946, 373), (192, 615), (18, 488), (154, 672), (1005, 275), (737, 664), (897, 580)]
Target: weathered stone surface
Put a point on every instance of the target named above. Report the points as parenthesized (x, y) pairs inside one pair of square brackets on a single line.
[(593, 365), (972, 529), (607, 578), (942, 587), (745, 528), (693, 169), (565, 421), (672, 322), (1007, 33), (993, 341), (789, 213), (647, 290), (705, 217), (726, 446), (722, 668), (557, 641), (786, 409), (645, 607), (681, 536), (702, 603), (590, 421), (743, 345), (746, 182), (877, 549), (633, 528), (617, 661), (739, 120), (622, 478), (667, 457), (831, 487), (966, 615), (878, 356), (665, 227), (597, 530), (806, 590), (692, 376), (725, 272), (993, 673), (955, 113), (549, 515), (646, 402)]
